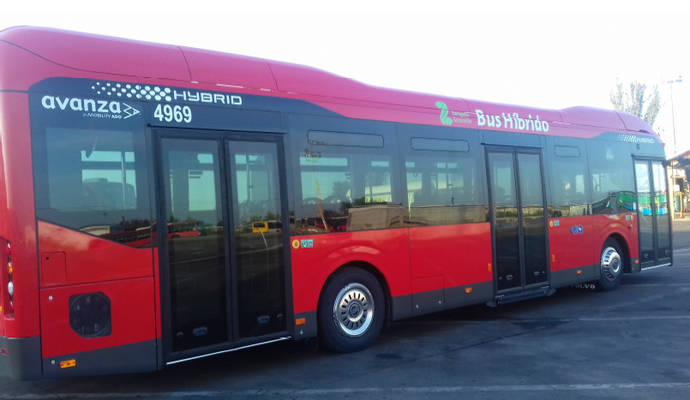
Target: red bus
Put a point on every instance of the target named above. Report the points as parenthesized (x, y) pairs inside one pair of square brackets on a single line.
[(385, 204)]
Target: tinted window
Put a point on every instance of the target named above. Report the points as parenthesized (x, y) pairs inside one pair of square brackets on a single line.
[(346, 191), (567, 151), (344, 139), (94, 181), (568, 171), (444, 190), (439, 144), (196, 242), (258, 244), (611, 171)]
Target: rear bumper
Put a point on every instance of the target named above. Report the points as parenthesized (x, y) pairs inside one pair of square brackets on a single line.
[(20, 358)]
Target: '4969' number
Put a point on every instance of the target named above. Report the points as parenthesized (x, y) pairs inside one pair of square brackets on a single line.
[(175, 113)]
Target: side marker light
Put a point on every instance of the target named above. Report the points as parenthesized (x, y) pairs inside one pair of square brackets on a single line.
[(300, 321), (68, 364)]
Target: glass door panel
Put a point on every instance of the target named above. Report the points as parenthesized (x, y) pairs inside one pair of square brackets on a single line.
[(645, 211), (195, 241), (519, 225), (506, 228), (532, 210), (661, 207), (259, 237)]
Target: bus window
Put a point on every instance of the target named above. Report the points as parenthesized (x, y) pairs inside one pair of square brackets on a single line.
[(93, 181), (612, 177), (568, 191), (337, 189), (444, 190)]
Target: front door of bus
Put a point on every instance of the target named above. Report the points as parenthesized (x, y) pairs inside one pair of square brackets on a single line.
[(518, 218), (222, 243), (654, 219)]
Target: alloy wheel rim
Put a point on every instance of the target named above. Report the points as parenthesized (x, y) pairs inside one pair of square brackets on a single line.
[(353, 309), (611, 263)]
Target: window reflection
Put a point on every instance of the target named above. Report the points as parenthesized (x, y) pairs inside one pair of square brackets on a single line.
[(196, 242), (346, 193), (94, 181), (568, 191), (259, 251), (443, 191), (612, 178)]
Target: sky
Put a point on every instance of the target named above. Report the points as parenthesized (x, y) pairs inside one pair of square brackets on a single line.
[(548, 54)]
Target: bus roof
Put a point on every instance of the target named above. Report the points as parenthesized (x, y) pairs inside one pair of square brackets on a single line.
[(31, 54)]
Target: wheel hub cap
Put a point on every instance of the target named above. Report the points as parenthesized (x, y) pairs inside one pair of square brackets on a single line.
[(353, 309), (611, 263)]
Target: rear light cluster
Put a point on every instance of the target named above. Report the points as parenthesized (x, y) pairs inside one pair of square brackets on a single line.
[(9, 305)]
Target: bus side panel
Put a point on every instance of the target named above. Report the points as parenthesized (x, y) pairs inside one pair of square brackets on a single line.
[(624, 225), (132, 318), (568, 236), (460, 253), (451, 267), (17, 215), (83, 258), (315, 257)]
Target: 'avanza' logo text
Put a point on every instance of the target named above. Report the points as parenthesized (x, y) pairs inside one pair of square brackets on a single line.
[(90, 107)]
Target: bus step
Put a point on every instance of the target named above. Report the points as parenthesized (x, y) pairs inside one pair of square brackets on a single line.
[(524, 295)]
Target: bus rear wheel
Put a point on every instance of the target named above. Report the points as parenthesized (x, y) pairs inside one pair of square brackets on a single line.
[(351, 311), (611, 264)]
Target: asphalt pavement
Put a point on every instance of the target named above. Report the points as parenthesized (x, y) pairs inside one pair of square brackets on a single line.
[(632, 343)]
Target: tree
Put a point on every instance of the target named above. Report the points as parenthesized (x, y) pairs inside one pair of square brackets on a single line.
[(634, 100)]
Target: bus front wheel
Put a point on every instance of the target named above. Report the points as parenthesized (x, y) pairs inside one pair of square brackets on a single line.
[(351, 311), (611, 264)]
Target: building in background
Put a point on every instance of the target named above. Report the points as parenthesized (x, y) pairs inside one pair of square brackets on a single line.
[(678, 173)]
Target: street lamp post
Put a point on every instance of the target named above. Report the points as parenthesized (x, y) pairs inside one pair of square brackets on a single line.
[(673, 114), (675, 144)]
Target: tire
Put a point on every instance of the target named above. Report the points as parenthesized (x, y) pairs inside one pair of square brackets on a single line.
[(351, 311), (612, 264)]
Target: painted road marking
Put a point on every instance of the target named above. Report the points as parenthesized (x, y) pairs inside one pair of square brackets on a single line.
[(559, 320), (362, 391)]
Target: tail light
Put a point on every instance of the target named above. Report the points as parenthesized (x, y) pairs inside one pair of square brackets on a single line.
[(9, 299)]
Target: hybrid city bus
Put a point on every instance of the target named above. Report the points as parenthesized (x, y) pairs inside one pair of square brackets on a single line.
[(159, 204)]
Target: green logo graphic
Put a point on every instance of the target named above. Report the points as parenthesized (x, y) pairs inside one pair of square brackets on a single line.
[(444, 113)]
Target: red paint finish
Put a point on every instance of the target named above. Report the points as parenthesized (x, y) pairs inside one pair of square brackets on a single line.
[(572, 250), (427, 284), (17, 220), (71, 54), (87, 52), (624, 225), (461, 254), (411, 260), (387, 250), (157, 291), (220, 68), (91, 259), (53, 268), (566, 248), (132, 308)]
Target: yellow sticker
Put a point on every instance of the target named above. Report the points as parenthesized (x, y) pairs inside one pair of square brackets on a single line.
[(295, 244), (551, 224)]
